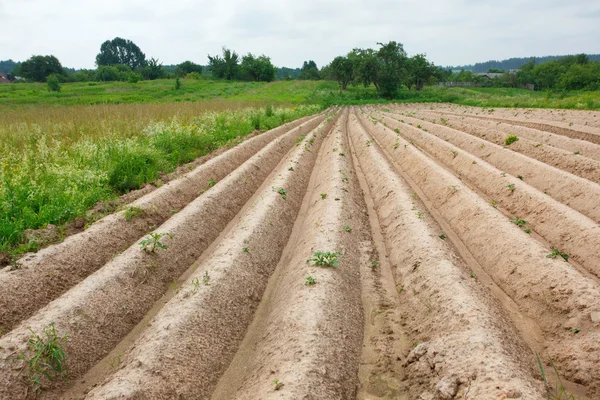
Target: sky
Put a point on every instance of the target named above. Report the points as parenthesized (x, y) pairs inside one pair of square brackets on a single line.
[(450, 32)]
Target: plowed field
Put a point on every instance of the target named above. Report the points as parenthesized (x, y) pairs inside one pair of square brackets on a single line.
[(377, 252)]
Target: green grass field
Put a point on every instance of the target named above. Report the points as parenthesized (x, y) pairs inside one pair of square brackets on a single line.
[(62, 153)]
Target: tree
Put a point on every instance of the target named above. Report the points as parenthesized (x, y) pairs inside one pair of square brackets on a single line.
[(38, 68), (419, 71), (153, 70), (187, 67), (225, 67), (309, 71), (257, 69), (392, 59), (121, 51), (341, 70)]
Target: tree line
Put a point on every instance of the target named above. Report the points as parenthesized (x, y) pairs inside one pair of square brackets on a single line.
[(511, 63)]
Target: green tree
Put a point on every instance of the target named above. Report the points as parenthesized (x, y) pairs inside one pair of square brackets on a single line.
[(309, 71), (257, 69), (153, 70), (38, 68), (342, 71), (419, 71), (187, 67), (392, 60), (53, 83), (120, 51), (225, 67)]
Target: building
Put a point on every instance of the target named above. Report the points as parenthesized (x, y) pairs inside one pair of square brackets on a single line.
[(4, 78)]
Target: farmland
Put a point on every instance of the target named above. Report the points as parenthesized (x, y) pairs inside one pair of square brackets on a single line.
[(344, 252)]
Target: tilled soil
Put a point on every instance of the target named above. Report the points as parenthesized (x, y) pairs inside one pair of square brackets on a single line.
[(444, 286)]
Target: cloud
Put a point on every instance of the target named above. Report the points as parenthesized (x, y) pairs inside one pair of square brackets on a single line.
[(451, 32)]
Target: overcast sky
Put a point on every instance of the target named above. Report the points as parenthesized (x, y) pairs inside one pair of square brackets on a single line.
[(451, 32)]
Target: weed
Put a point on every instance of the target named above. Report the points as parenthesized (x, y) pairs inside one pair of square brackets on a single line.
[(454, 153), (419, 126), (115, 361), (413, 196), (474, 162), (396, 145), (420, 214), (347, 228), (397, 130), (577, 153), (334, 150), (309, 281), (323, 196), (206, 279), (47, 358), (576, 330), (443, 236), (520, 177), (374, 264), (557, 392), (132, 212), (400, 288), (528, 231), (511, 187), (510, 139), (281, 191), (278, 384), (519, 222), (152, 241), (211, 183), (245, 249), (196, 283), (555, 253), (345, 179), (342, 154), (290, 168), (325, 258), (473, 275)]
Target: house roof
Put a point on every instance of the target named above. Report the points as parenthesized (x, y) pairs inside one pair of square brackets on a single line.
[(4, 78)]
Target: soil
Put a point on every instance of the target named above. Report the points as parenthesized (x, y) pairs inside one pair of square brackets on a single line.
[(446, 286)]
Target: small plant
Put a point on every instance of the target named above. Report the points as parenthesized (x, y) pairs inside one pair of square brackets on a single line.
[(396, 145), (281, 191), (290, 168), (309, 281), (528, 231), (206, 279), (520, 177), (519, 222), (342, 154), (420, 214), (454, 188), (443, 236), (494, 203), (397, 130), (369, 142), (177, 83), (511, 187), (47, 358), (211, 183), (246, 250), (454, 154), (473, 275), (577, 153), (555, 253), (151, 241), (510, 139), (196, 283), (53, 83), (347, 228), (444, 121), (374, 264), (559, 392), (132, 212), (268, 110), (576, 330), (323, 196), (325, 258), (278, 384)]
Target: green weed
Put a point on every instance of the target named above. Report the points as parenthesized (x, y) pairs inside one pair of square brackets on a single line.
[(555, 253), (47, 357), (325, 259), (278, 384), (510, 139), (511, 187), (323, 196), (132, 212), (309, 281), (151, 241), (282, 192), (347, 228), (557, 392)]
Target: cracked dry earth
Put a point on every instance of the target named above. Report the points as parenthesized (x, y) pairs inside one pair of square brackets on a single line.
[(445, 285)]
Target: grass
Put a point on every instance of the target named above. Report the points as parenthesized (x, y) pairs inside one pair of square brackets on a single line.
[(558, 391), (57, 163), (47, 357)]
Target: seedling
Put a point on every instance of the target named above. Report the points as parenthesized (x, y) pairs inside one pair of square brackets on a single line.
[(494, 203), (325, 259), (345, 179), (281, 191), (132, 212), (473, 275), (323, 196), (397, 130), (443, 236), (196, 283), (555, 253), (519, 222), (206, 279), (528, 231), (510, 139), (454, 154), (374, 264), (309, 281), (576, 330), (278, 384), (48, 357), (559, 392), (454, 188), (152, 241), (396, 145), (245, 249), (290, 168), (577, 153), (347, 228), (520, 177), (420, 214), (443, 121), (342, 154), (211, 183), (511, 187), (369, 142)]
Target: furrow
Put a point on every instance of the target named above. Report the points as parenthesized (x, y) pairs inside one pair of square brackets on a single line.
[(98, 312), (309, 337), (551, 292), (46, 275), (573, 191), (197, 332), (454, 321), (558, 224)]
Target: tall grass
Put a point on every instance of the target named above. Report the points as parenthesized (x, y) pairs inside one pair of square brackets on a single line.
[(55, 164)]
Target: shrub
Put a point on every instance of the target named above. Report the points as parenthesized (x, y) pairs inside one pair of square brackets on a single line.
[(53, 83), (510, 139)]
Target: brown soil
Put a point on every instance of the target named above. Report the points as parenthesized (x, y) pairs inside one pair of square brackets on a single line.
[(437, 295)]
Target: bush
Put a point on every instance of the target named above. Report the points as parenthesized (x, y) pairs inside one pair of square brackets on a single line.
[(193, 75), (134, 78), (53, 83)]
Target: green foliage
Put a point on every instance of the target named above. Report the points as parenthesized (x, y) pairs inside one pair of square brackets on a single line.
[(555, 253), (151, 241), (152, 70), (557, 392), (510, 139), (325, 259), (309, 281), (282, 192), (309, 71), (341, 70), (38, 68), (257, 69), (47, 357), (134, 77), (177, 83), (519, 222), (132, 212), (120, 51), (323, 196), (186, 68), (53, 83), (225, 67), (347, 228)]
